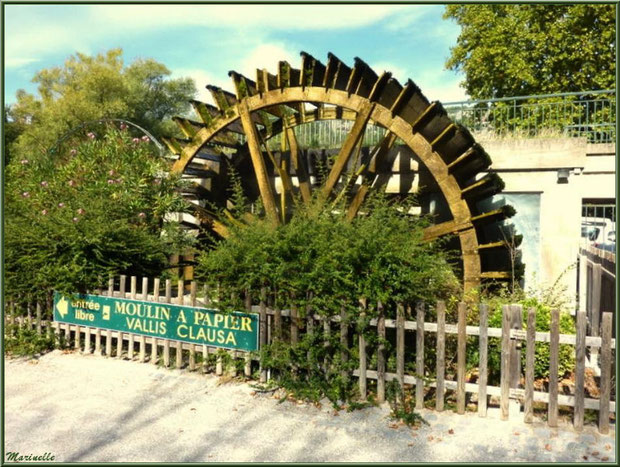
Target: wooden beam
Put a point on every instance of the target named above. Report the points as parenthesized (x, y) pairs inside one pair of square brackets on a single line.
[(348, 147), (264, 186), (384, 148), (300, 166)]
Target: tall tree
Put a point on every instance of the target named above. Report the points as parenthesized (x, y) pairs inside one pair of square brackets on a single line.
[(521, 49), (89, 88)]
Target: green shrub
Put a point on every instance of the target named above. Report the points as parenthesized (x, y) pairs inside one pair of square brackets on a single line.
[(93, 209), (20, 341), (321, 261), (543, 324)]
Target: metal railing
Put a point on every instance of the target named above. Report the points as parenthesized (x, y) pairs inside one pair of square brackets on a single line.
[(328, 134), (590, 114)]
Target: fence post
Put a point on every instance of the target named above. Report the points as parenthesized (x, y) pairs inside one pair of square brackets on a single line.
[(419, 356), (180, 292), (596, 302), (247, 369), (277, 324), (77, 337), (580, 368), (326, 334), (179, 355), (111, 286), (400, 348), (67, 335), (192, 347), (262, 314), (483, 345), (441, 355), (362, 351), (554, 349), (130, 346), (108, 343), (38, 311), (142, 355), (97, 341), (122, 285), (87, 340), (461, 343), (294, 324), (154, 342), (505, 363), (168, 291), (516, 322), (134, 287), (119, 345), (344, 347), (529, 365), (380, 353), (603, 413)]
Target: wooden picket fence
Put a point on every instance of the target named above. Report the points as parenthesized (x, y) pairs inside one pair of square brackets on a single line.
[(273, 323)]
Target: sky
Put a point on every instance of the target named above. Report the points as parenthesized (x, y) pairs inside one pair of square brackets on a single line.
[(206, 41)]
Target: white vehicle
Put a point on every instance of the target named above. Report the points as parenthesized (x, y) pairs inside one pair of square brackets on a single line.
[(598, 230)]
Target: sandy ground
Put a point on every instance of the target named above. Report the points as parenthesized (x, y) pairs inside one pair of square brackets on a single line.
[(90, 408)]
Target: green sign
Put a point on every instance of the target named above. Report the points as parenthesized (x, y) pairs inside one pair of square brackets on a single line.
[(196, 325)]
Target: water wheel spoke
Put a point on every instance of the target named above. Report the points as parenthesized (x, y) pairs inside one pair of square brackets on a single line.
[(264, 185), (351, 141), (276, 104)]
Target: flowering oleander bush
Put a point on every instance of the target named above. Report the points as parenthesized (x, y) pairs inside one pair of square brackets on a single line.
[(89, 210)]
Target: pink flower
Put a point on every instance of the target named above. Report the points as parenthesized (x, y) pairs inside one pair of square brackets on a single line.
[(141, 215), (135, 140), (44, 212), (24, 161), (157, 181), (110, 182), (145, 138), (73, 152), (112, 172), (91, 135), (81, 211), (75, 219), (44, 183), (71, 183), (26, 194), (123, 126), (61, 205)]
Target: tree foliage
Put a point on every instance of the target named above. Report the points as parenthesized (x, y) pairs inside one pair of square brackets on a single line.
[(323, 260), (89, 88), (523, 49), (92, 210)]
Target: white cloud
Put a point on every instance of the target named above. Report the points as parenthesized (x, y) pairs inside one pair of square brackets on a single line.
[(398, 72), (267, 56), (240, 16), (409, 16), (201, 79), (18, 62)]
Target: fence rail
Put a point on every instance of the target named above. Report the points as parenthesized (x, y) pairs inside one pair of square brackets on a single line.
[(589, 114), (290, 325)]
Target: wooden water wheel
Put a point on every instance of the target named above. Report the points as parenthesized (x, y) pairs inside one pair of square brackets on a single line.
[(239, 128)]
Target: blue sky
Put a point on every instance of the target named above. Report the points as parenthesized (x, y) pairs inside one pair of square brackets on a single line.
[(206, 41)]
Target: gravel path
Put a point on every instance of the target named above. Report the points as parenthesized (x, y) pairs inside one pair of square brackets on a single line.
[(89, 408)]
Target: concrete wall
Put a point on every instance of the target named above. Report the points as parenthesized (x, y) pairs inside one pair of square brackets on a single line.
[(531, 166)]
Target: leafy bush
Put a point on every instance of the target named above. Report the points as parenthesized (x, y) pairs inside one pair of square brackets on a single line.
[(89, 211), (543, 324), (323, 262), (20, 341)]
